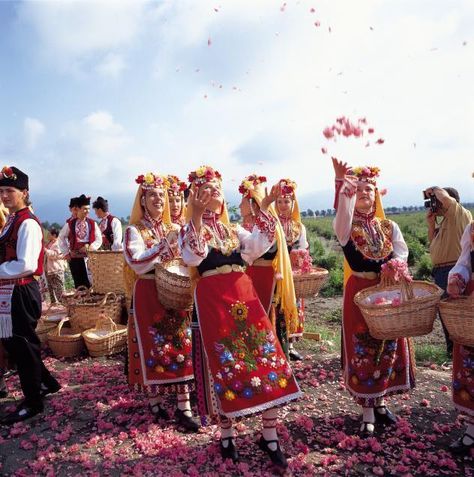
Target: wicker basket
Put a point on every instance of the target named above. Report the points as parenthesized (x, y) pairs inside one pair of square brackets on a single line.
[(65, 343), (174, 290), (458, 317), (106, 268), (309, 284), (85, 311), (413, 317), (43, 328), (105, 338)]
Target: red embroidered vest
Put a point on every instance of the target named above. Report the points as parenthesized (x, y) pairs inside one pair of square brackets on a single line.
[(73, 243), (9, 240), (107, 233)]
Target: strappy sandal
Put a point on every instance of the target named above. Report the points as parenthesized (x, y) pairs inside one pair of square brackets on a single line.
[(276, 456), (459, 448), (366, 431), (388, 418), (158, 411), (229, 452)]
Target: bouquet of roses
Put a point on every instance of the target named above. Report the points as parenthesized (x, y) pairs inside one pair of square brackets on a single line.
[(394, 271), (301, 262)]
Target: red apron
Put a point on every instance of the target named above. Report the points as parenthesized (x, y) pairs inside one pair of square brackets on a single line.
[(159, 344), (372, 368), (244, 368)]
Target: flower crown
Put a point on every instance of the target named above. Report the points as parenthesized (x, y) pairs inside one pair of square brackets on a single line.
[(8, 173), (249, 184), (287, 188), (202, 175), (365, 174), (176, 186), (151, 181)]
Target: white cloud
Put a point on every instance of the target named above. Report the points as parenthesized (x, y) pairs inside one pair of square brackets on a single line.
[(33, 130), (70, 34), (111, 66)]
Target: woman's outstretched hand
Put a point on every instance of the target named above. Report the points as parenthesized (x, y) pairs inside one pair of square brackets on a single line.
[(340, 168), (269, 198)]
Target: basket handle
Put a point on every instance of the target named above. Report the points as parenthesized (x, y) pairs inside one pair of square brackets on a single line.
[(406, 290), (107, 296), (60, 326), (81, 291), (105, 320)]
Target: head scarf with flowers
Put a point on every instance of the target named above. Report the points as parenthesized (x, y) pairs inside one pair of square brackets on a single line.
[(287, 189), (365, 174), (146, 182), (252, 187), (203, 175), (176, 189)]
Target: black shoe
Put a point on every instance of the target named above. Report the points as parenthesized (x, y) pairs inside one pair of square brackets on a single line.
[(51, 389), (294, 355), (188, 422), (159, 412), (229, 452), (459, 448), (366, 431), (276, 456), (22, 412), (386, 419)]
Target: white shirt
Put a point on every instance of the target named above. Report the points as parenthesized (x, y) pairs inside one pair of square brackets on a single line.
[(116, 232)]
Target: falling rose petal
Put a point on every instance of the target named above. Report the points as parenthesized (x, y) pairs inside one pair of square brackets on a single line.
[(312, 10), (380, 141), (371, 130), (324, 150), (383, 192), (317, 24), (444, 388), (283, 7), (209, 42), (328, 133)]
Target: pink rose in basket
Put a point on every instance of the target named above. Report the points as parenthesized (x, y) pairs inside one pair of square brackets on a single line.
[(301, 261), (381, 300), (395, 270), (396, 301)]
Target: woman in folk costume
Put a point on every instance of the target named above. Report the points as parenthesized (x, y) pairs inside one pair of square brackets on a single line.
[(372, 369), (239, 365), (176, 199), (295, 234), (271, 273), (159, 340), (461, 281)]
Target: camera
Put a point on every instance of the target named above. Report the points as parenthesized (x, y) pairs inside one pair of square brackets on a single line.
[(431, 202)]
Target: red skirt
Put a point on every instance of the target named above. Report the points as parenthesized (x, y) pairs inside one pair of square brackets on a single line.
[(263, 280), (372, 368), (242, 368), (159, 344), (463, 375)]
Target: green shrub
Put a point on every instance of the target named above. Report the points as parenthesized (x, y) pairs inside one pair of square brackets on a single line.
[(334, 285), (423, 268)]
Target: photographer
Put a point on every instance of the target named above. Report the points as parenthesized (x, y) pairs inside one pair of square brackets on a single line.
[(444, 235)]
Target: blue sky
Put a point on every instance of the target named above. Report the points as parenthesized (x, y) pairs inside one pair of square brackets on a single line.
[(94, 93)]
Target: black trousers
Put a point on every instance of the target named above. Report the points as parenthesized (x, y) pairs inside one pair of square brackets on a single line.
[(24, 347), (79, 272)]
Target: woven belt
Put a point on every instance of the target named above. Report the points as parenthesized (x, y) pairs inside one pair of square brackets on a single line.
[(16, 281), (148, 276), (262, 262), (368, 275), (224, 269), (445, 264)]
